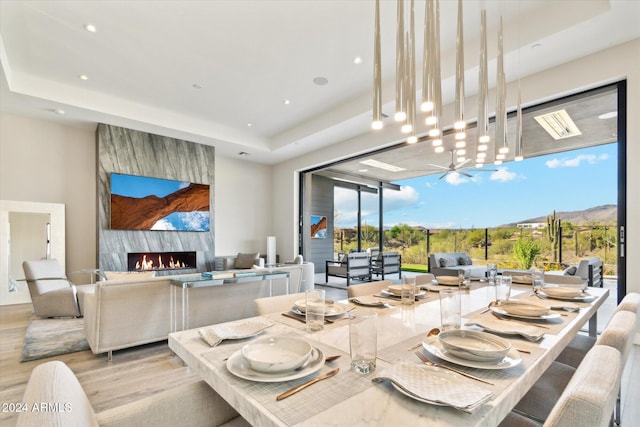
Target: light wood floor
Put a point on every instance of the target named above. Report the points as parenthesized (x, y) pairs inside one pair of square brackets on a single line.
[(144, 370), (133, 374)]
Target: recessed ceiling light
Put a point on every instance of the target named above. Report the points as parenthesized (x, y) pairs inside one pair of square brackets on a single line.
[(320, 81), (58, 111), (83, 77), (243, 153), (249, 124), (197, 86), (286, 102), (357, 60), (382, 165), (536, 45), (91, 28), (609, 115), (363, 170)]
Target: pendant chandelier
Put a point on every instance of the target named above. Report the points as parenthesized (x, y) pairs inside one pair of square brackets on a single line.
[(431, 93)]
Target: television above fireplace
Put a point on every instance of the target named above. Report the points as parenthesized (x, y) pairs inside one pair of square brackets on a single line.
[(146, 203)]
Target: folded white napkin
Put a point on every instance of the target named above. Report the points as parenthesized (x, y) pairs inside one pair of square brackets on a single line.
[(492, 324), (436, 385), (214, 335), (368, 301), (553, 304)]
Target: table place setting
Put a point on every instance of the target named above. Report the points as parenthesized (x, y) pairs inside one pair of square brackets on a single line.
[(563, 293), (294, 407), (435, 385), (215, 334), (493, 324)]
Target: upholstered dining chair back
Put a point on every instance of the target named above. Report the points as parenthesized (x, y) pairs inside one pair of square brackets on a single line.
[(275, 304), (619, 333), (367, 288), (425, 279), (589, 398), (51, 293)]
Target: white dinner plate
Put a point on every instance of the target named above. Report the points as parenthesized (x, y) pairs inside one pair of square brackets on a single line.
[(583, 297), (333, 310), (238, 366), (502, 312), (434, 346), (419, 294)]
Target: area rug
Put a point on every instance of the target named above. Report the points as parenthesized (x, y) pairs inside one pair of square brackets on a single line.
[(53, 337)]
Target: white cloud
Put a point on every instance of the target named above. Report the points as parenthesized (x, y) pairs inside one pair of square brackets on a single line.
[(162, 224), (456, 179), (575, 162), (503, 174)]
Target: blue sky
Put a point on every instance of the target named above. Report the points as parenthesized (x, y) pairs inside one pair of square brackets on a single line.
[(142, 186), (568, 181)]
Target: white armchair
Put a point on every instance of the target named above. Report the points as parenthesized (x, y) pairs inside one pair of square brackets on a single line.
[(52, 294)]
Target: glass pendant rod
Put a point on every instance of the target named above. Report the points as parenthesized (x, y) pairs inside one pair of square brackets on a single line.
[(459, 100), (401, 113), (377, 72)]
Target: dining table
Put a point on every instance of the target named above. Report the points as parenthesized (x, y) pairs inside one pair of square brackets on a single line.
[(354, 399)]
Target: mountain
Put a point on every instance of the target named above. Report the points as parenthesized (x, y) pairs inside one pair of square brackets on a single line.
[(602, 214)]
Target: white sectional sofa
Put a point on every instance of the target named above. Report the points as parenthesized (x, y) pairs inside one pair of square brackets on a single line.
[(126, 313)]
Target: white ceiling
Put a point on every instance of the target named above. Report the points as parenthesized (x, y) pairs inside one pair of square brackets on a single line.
[(249, 56)]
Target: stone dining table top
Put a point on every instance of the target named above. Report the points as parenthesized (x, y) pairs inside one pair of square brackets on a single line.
[(352, 399)]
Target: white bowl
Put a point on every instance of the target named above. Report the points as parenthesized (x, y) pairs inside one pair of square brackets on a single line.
[(519, 308), (474, 345), (276, 354), (448, 280), (301, 304), (562, 291)]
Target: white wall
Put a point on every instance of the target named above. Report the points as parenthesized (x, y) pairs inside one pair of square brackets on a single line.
[(42, 161), (595, 70), (242, 215)]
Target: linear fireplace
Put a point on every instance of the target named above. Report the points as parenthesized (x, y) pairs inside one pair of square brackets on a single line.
[(138, 261)]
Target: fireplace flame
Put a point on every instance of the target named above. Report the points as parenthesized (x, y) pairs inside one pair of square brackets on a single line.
[(155, 261)]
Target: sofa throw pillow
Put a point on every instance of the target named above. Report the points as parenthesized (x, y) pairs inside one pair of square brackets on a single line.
[(571, 270), (447, 262), (464, 260), (245, 260)]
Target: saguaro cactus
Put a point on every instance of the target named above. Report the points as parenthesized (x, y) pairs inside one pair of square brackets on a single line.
[(553, 234)]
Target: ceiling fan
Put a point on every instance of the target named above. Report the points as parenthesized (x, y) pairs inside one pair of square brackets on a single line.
[(459, 168)]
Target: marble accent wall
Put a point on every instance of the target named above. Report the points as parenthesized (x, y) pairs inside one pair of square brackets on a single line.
[(138, 153)]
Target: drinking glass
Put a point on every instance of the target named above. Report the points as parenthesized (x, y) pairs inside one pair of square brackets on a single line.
[(363, 340), (503, 288), (450, 308), (537, 279), (314, 309), (492, 271), (408, 291)]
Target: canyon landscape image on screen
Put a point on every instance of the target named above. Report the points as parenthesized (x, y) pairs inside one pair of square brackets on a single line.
[(145, 203)]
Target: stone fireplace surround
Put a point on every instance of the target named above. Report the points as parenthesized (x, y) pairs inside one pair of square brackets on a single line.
[(138, 153)]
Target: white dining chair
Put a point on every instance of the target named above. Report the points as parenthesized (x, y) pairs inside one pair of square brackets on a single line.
[(588, 399), (275, 304), (575, 351), (425, 279), (367, 288), (540, 399)]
